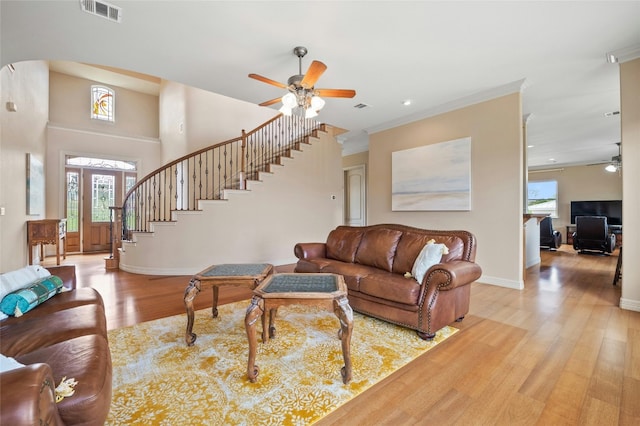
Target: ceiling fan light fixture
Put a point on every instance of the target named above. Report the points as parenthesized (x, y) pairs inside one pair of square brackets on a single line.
[(310, 113), (289, 100), (286, 110), (317, 103)]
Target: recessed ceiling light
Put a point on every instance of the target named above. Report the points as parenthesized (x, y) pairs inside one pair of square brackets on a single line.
[(406, 102), (529, 146), (552, 160), (611, 113)]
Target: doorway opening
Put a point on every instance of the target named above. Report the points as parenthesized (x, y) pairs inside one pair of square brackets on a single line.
[(355, 196), (92, 186)]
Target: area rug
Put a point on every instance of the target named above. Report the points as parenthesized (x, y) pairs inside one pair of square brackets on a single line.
[(159, 380)]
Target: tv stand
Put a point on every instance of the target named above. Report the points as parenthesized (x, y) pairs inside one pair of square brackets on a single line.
[(614, 229)]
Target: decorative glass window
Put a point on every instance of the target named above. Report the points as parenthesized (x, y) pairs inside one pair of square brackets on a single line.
[(73, 197), (100, 163), (543, 197), (102, 103), (103, 195)]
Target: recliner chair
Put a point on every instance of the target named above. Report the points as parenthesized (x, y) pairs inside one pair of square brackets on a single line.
[(548, 237), (592, 233)]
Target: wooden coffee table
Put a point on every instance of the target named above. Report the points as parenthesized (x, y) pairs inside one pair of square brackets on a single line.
[(243, 274), (324, 290)]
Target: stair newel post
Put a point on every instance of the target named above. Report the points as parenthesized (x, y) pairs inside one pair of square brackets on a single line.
[(243, 165)]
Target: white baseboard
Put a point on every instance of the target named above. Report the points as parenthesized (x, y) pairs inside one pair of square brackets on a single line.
[(629, 304), (501, 282)]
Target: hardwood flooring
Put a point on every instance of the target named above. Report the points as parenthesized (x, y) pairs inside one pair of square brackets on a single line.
[(559, 352)]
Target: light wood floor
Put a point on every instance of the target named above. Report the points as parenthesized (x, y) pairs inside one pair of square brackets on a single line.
[(558, 352)]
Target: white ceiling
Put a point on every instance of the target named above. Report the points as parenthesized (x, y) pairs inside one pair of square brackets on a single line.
[(438, 54)]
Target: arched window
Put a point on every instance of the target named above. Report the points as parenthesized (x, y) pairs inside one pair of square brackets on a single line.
[(102, 103)]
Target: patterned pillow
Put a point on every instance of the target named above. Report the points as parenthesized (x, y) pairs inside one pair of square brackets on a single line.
[(23, 300)]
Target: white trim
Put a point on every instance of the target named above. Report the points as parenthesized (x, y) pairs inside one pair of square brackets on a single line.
[(501, 282), (95, 133), (626, 54), (496, 92), (630, 304)]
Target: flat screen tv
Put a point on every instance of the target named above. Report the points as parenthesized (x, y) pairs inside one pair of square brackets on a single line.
[(612, 209)]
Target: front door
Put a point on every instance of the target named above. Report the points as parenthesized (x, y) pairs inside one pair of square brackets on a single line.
[(101, 190)]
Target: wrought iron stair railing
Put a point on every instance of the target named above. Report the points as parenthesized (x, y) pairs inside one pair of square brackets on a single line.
[(205, 174)]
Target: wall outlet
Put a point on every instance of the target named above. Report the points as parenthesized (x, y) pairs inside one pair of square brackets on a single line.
[(333, 197), (2, 211)]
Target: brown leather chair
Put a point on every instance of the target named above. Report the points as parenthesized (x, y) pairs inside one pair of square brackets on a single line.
[(592, 233), (548, 237)]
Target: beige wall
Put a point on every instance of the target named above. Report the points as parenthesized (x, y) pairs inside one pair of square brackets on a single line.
[(495, 128), (136, 114), (356, 159), (580, 183), (192, 118), (630, 119), (21, 132)]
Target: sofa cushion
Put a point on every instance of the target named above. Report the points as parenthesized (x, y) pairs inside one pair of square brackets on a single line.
[(25, 299), (392, 287), (31, 333), (352, 272), (342, 244), (408, 250), (378, 247)]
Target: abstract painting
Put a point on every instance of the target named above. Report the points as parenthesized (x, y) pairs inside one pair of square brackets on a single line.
[(432, 177)]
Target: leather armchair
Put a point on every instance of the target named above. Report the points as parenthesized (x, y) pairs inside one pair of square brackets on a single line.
[(548, 237), (592, 233)]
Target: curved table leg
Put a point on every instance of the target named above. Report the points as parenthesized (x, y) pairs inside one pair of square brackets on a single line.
[(343, 311), (190, 293), (254, 311)]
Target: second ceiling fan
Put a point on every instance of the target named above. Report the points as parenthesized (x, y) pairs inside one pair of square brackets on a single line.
[(302, 95)]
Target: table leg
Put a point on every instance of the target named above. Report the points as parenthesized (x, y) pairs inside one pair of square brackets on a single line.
[(214, 307), (190, 293), (254, 311), (273, 312), (343, 311)]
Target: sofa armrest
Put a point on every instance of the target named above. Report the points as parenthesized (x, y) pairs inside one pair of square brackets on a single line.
[(450, 275), (310, 250), (28, 396), (67, 274)]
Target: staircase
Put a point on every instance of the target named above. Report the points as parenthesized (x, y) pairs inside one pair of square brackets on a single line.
[(235, 201)]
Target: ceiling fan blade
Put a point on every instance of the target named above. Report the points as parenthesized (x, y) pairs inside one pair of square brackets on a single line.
[(271, 102), (336, 93), (313, 74), (268, 81)]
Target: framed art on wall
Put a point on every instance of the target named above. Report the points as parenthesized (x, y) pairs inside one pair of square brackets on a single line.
[(35, 186), (433, 177)]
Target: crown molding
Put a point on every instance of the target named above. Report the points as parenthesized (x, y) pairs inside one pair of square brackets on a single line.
[(486, 95), (626, 54)]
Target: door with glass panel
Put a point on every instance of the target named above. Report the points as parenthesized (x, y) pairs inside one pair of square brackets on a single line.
[(102, 189)]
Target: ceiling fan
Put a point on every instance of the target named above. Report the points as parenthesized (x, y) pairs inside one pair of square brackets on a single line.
[(303, 97), (616, 161)]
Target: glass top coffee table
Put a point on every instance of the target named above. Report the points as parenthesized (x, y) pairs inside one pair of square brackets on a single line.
[(242, 274), (327, 291)]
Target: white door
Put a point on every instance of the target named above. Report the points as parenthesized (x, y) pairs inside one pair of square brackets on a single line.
[(355, 203)]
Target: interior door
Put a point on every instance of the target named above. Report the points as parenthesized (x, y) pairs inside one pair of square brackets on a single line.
[(101, 189), (355, 196)]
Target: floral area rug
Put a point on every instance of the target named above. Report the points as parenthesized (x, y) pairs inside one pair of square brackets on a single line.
[(159, 380)]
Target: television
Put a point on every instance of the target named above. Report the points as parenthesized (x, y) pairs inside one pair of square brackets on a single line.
[(612, 209)]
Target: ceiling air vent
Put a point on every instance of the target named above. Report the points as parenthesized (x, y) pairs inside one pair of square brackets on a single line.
[(361, 106), (102, 9)]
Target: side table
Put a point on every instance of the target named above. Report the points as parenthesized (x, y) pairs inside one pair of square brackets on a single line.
[(244, 274), (327, 291)]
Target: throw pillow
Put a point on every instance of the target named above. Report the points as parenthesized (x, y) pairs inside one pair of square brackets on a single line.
[(8, 364), (23, 300), (430, 255), (21, 278)]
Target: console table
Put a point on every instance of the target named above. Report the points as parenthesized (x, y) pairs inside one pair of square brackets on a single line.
[(47, 231)]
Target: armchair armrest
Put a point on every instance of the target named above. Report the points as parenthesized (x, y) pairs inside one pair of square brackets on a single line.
[(28, 396), (452, 274), (310, 250), (67, 274)]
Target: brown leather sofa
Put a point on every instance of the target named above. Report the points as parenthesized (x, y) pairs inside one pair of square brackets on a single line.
[(373, 260), (66, 336)]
